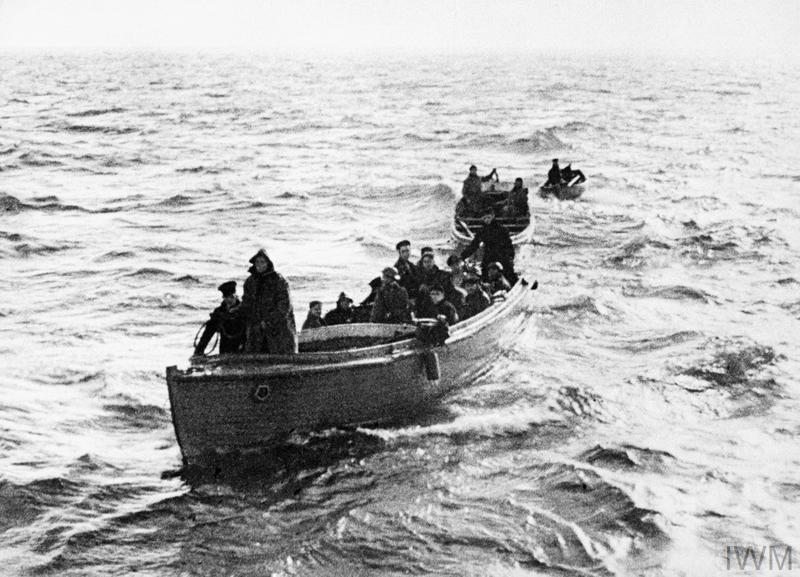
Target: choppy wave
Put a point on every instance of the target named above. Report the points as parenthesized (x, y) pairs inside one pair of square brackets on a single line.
[(547, 462), (540, 141), (97, 111), (677, 292)]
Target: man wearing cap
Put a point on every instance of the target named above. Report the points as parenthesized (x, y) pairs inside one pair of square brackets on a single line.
[(428, 273), (497, 247), (477, 300), (406, 269), (473, 200), (343, 313), (516, 205), (223, 320), (495, 279), (438, 307), (267, 308), (391, 304), (422, 252)]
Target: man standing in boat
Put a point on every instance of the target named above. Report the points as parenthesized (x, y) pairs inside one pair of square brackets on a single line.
[(554, 175), (224, 321), (497, 247), (391, 304), (267, 308), (406, 269), (473, 201)]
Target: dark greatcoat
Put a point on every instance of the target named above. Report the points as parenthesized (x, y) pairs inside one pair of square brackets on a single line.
[(313, 322), (447, 309), (267, 308), (497, 247), (230, 328), (427, 309), (475, 303), (554, 175), (498, 284), (518, 202), (339, 316), (409, 276), (391, 305), (474, 200)]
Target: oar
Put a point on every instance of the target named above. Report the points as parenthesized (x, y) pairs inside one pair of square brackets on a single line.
[(465, 227)]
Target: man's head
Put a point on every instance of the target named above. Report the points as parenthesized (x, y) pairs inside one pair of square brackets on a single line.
[(404, 249), (473, 170), (455, 262), (555, 162), (437, 294), (344, 302), (260, 261), (389, 275), (427, 260), (315, 308), (228, 290), (517, 183), (471, 284), (487, 217)]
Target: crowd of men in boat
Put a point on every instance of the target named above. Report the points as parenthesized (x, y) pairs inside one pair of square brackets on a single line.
[(477, 199), (263, 320)]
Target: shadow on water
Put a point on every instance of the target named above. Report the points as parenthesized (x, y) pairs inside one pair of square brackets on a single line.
[(284, 469)]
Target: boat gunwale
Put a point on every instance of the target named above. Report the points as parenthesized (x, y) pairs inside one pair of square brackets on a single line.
[(263, 364), (522, 237)]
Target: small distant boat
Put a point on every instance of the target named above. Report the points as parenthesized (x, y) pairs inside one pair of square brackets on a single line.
[(569, 191), (343, 376), (463, 229)]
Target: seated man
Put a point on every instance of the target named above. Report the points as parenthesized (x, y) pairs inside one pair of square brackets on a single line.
[(477, 300), (428, 273), (423, 251), (391, 303), (473, 201), (445, 311), (457, 270), (314, 319), (495, 281), (224, 321), (406, 269), (517, 204), (567, 175), (343, 313), (362, 312)]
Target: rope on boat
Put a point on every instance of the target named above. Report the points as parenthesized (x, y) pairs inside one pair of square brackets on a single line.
[(197, 338)]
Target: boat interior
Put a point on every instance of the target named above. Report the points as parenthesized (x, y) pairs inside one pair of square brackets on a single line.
[(352, 336), (513, 225)]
